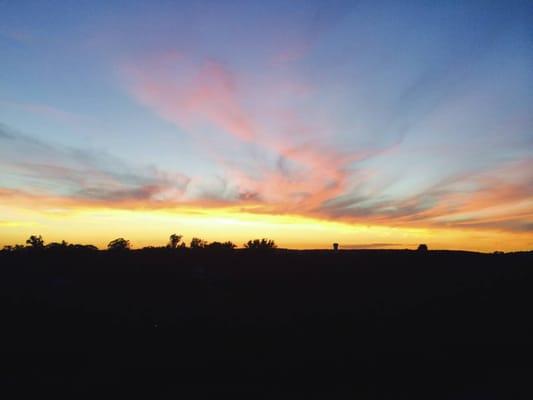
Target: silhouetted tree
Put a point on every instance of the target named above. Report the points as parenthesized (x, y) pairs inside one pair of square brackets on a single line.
[(260, 244), (335, 246), (57, 246), (10, 248), (198, 243), (84, 247), (221, 246), (119, 244), (35, 242), (422, 248), (173, 241)]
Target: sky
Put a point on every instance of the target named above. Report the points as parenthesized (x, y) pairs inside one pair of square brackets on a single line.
[(373, 124)]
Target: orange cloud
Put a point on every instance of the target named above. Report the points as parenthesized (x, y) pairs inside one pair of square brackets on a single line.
[(500, 198)]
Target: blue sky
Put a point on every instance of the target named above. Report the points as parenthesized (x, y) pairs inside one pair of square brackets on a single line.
[(399, 113)]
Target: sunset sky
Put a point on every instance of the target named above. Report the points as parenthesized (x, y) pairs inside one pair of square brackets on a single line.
[(370, 123)]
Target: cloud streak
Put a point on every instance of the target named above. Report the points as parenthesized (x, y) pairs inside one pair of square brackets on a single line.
[(210, 95), (301, 172), (496, 199), (63, 172)]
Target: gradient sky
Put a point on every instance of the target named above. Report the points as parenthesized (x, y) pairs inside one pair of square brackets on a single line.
[(369, 123)]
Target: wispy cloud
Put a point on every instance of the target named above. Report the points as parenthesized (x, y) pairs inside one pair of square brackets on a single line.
[(83, 174), (499, 198), (289, 166), (209, 95), (296, 169), (46, 111)]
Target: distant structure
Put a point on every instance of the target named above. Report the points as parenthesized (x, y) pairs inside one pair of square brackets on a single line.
[(335, 247), (422, 248)]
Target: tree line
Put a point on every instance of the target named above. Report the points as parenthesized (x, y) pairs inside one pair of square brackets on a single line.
[(175, 242)]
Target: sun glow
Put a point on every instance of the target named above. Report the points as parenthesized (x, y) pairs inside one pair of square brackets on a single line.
[(152, 227)]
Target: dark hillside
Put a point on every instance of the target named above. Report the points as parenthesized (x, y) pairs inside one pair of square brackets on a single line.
[(165, 323)]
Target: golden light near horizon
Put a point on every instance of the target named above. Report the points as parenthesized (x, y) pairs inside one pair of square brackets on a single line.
[(152, 228)]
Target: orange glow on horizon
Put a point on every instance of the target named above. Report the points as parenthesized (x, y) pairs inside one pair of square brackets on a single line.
[(98, 226)]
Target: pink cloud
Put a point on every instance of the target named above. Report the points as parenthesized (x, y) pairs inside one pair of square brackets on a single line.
[(297, 170), (210, 95)]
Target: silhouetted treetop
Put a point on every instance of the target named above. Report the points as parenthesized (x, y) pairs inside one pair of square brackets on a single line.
[(174, 240), (89, 247), (260, 244), (222, 246), (197, 243), (56, 245), (119, 244), (35, 242), (422, 248)]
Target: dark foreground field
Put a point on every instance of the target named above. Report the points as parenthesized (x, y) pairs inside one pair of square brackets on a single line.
[(275, 325)]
